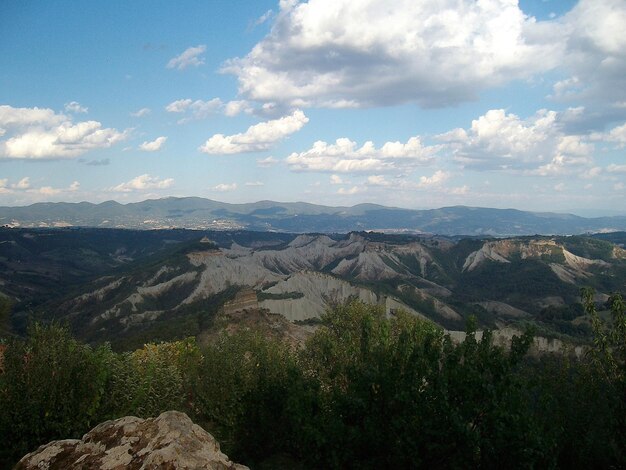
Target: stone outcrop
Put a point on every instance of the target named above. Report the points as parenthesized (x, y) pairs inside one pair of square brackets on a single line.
[(171, 441)]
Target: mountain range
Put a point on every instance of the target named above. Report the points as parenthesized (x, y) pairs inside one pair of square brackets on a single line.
[(300, 217)]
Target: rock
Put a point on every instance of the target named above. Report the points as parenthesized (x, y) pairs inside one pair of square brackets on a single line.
[(171, 441)]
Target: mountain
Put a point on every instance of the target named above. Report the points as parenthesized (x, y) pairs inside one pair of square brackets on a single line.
[(300, 217), (143, 286)]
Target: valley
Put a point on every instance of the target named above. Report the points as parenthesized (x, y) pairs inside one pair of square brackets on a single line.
[(129, 287)]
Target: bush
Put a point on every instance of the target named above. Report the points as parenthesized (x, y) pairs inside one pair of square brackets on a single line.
[(151, 380), (51, 388), (397, 393), (248, 393)]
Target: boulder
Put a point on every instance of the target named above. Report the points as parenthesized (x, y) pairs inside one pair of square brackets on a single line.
[(171, 441)]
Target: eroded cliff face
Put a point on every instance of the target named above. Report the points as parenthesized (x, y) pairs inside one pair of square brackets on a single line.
[(318, 269), (170, 441), (301, 278)]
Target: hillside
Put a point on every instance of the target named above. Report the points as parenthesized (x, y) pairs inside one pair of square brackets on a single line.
[(199, 213), (146, 285)]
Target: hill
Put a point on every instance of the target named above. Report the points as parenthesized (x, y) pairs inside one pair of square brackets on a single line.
[(147, 285), (199, 213)]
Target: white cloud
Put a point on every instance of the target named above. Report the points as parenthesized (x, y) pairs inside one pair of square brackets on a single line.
[(348, 192), (233, 108), (199, 109), (75, 186), (344, 156), (596, 51), (436, 179), (346, 54), (35, 133), (618, 186), (224, 187), (591, 173), (255, 183), (501, 141), (459, 191), (266, 162), (143, 182), (24, 183), (560, 187), (189, 58), (335, 179), (154, 145), (616, 168), (616, 135), (377, 180), (17, 117), (178, 106), (46, 191), (264, 17), (141, 112), (257, 138), (75, 107)]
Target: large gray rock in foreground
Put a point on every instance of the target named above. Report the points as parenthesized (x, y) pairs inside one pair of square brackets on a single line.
[(171, 441)]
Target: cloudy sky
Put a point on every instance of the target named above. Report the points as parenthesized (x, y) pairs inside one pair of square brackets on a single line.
[(409, 103)]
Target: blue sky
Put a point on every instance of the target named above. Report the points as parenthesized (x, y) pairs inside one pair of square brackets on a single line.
[(408, 103)]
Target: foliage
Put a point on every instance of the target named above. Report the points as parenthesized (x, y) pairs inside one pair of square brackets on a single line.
[(151, 380), (51, 388), (397, 393), (367, 391), (5, 315), (246, 393)]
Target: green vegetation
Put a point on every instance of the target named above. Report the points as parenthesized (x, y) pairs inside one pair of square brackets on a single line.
[(588, 247), (367, 391), (280, 296)]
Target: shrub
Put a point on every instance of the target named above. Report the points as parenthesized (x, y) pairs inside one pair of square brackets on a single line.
[(151, 380), (51, 388)]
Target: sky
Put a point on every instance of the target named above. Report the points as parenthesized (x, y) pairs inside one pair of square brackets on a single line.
[(405, 103)]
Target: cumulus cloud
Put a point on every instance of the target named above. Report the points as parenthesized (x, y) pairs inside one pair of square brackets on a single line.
[(255, 183), (335, 179), (266, 162), (189, 58), (344, 156), (259, 137), (75, 107), (141, 112), (24, 183), (143, 182), (596, 52), (224, 187), (377, 180), (348, 191), (46, 191), (154, 145), (233, 108), (198, 109), (501, 141), (616, 168), (24, 186), (36, 133), (436, 179), (353, 54), (616, 135)]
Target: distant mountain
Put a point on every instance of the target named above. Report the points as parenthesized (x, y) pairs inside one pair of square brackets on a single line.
[(300, 217)]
